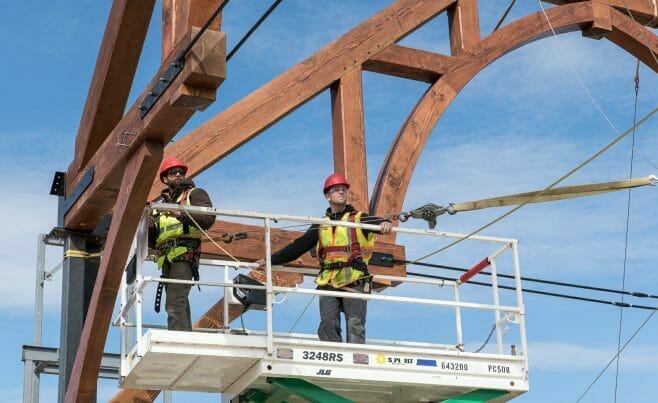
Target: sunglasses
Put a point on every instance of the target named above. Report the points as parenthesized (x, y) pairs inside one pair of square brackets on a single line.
[(176, 171)]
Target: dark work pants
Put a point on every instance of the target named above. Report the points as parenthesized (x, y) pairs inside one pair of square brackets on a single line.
[(177, 303), (355, 317)]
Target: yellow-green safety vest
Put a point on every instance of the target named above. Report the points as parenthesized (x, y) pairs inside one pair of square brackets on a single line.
[(169, 227), (336, 245)]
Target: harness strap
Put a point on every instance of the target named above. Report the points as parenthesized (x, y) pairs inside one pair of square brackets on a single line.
[(183, 200), (354, 247), (158, 297), (158, 293)]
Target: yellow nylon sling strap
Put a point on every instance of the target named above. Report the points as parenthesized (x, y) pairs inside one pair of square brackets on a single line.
[(81, 254), (561, 193)]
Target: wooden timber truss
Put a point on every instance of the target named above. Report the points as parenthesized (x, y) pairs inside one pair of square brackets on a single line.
[(124, 150)]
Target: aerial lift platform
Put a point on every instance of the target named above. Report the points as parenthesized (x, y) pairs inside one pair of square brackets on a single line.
[(267, 366)]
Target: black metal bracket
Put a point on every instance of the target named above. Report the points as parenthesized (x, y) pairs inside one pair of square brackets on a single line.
[(381, 259), (79, 189), (59, 184), (131, 270), (160, 87)]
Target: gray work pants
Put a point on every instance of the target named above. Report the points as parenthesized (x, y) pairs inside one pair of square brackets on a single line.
[(355, 317), (177, 303)]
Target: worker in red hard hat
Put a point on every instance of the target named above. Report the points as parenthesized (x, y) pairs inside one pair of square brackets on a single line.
[(177, 237), (343, 255)]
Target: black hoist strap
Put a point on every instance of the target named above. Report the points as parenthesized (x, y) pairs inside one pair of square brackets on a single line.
[(158, 295)]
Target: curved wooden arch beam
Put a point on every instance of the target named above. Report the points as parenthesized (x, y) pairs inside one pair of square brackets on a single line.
[(391, 186), (635, 39)]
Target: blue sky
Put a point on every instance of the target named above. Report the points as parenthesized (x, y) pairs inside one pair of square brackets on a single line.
[(519, 125)]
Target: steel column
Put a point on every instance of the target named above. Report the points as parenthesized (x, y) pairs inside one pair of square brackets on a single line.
[(79, 276)]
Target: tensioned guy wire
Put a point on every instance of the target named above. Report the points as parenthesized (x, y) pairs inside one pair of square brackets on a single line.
[(535, 280), (615, 356), (628, 215), (252, 30)]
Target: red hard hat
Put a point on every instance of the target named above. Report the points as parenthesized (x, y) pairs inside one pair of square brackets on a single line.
[(333, 180), (171, 163)]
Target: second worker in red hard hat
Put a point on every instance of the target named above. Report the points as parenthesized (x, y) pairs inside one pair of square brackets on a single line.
[(177, 240), (343, 254)]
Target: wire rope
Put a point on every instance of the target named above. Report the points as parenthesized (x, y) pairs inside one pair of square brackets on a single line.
[(301, 314), (628, 215), (252, 29), (615, 356), (502, 18), (575, 72), (546, 293), (535, 280)]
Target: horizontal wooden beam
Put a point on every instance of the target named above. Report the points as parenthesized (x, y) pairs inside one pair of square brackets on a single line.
[(404, 62), (205, 67), (250, 116), (119, 53), (253, 247)]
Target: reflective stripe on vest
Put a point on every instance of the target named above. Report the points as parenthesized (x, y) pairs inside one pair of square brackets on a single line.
[(169, 227), (337, 245)]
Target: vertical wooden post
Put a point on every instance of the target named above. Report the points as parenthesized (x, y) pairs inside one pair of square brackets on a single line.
[(464, 26), (349, 135), (135, 185)]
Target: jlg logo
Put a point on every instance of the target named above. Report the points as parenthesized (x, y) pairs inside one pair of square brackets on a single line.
[(325, 372)]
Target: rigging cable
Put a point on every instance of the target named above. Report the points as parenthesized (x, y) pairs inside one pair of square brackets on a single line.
[(534, 280), (252, 29), (502, 18), (628, 214), (575, 72), (301, 314), (547, 293), (615, 356)]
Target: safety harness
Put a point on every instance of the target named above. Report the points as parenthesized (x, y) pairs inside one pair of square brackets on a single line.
[(355, 259)]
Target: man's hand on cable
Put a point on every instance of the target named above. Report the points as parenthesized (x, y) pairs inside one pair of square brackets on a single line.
[(385, 228), (260, 264)]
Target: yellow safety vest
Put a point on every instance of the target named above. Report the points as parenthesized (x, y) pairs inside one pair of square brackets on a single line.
[(339, 246), (171, 229)]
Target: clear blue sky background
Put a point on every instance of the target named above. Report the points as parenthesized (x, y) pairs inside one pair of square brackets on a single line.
[(520, 124)]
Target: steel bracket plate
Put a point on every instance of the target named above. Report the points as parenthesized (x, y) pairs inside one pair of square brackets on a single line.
[(160, 87), (84, 183)]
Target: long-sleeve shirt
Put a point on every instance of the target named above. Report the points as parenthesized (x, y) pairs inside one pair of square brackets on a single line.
[(309, 239)]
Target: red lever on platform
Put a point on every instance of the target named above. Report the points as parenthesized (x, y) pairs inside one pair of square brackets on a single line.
[(474, 270)]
